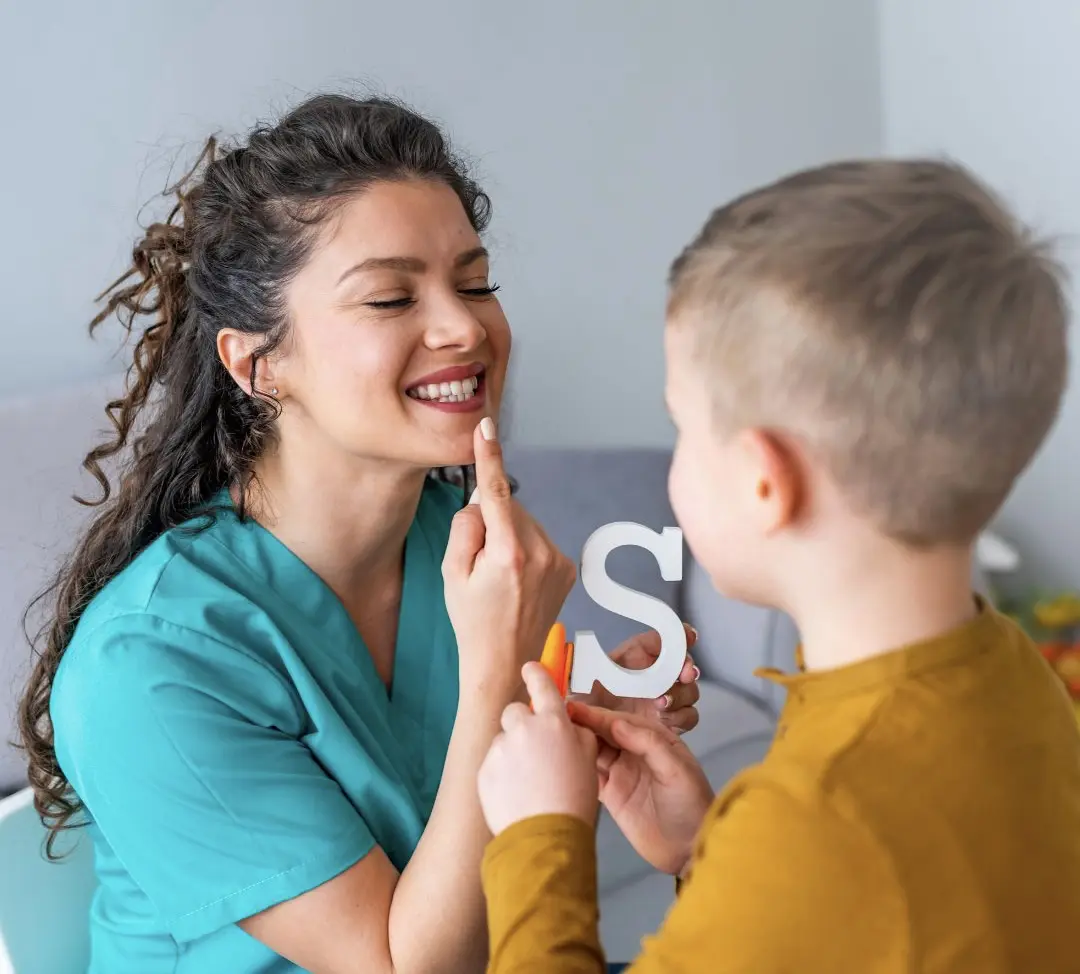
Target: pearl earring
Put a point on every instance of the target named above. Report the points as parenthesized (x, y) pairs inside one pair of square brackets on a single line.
[(273, 392)]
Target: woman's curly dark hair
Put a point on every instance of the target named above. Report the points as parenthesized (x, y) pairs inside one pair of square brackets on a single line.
[(242, 225)]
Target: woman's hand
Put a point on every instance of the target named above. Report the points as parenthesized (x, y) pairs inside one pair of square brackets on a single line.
[(541, 764), (652, 785), (676, 708), (505, 581)]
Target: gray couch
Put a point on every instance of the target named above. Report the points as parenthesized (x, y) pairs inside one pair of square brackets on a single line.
[(571, 492)]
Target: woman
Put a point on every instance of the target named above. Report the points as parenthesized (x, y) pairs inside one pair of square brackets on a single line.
[(251, 687)]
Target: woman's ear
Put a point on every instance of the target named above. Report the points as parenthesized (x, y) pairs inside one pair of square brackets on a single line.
[(776, 480), (237, 349)]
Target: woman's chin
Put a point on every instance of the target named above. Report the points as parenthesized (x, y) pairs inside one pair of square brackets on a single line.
[(458, 453), (457, 458), (444, 448)]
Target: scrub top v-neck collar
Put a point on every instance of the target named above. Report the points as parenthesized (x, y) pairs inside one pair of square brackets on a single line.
[(403, 707)]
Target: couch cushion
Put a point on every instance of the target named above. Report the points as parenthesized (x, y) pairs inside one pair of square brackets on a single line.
[(734, 731)]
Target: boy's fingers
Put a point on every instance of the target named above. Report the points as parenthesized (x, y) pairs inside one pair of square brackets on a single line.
[(543, 693), (606, 756), (596, 719), (649, 743), (513, 715), (492, 483), (627, 732)]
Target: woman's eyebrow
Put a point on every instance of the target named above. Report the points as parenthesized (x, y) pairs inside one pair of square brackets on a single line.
[(411, 265), (470, 257)]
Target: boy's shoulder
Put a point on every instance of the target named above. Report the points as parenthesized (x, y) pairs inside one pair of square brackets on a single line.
[(924, 769)]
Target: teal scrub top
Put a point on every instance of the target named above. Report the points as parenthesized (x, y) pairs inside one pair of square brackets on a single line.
[(225, 727)]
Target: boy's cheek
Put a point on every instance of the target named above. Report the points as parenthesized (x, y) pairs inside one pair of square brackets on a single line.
[(697, 502), (720, 542)]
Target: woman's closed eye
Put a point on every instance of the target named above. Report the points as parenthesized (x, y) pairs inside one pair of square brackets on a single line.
[(391, 304), (484, 291)]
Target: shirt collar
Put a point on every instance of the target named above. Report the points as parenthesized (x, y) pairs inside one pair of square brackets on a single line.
[(894, 666)]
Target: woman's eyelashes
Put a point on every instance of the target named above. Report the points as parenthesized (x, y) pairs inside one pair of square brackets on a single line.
[(397, 304), (479, 292), (390, 304)]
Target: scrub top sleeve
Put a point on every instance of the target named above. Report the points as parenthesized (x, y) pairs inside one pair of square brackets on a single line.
[(183, 750)]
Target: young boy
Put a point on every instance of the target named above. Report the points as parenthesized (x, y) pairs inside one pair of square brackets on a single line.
[(861, 361)]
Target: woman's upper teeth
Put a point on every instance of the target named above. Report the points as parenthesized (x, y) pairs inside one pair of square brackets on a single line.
[(454, 391)]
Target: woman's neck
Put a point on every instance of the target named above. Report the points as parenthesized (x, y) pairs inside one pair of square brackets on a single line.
[(346, 518)]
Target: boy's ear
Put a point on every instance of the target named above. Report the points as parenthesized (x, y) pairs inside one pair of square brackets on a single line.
[(777, 480)]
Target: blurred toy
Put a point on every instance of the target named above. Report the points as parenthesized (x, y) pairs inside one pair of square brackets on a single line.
[(1060, 612), (1053, 623)]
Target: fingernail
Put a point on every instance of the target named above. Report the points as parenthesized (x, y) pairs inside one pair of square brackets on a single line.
[(693, 631), (664, 702), (474, 497), (697, 674), (487, 428)]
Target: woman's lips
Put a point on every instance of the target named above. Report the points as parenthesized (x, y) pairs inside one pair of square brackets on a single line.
[(449, 374)]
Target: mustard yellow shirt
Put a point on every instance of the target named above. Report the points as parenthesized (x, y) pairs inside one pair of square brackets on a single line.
[(917, 812)]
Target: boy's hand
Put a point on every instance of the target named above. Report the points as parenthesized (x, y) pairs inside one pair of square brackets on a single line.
[(541, 764), (651, 784), (677, 708)]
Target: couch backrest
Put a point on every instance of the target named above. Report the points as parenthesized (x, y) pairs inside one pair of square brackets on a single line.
[(42, 442), (737, 639)]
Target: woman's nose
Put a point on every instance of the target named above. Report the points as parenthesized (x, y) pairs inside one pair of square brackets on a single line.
[(454, 324)]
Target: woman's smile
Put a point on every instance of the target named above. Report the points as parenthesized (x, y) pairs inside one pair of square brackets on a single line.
[(458, 389)]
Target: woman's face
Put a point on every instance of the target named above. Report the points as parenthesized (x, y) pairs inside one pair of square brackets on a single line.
[(397, 345)]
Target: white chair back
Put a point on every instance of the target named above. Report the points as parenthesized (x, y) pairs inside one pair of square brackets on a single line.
[(44, 906)]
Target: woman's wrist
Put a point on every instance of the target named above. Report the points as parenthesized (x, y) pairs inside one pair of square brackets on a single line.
[(489, 693), (490, 676)]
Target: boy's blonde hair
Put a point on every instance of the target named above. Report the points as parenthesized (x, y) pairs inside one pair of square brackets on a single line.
[(896, 319)]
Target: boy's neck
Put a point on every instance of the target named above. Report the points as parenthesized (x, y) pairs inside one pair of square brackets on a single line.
[(869, 607)]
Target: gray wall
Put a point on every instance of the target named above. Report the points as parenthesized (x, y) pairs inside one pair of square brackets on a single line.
[(994, 83), (605, 130)]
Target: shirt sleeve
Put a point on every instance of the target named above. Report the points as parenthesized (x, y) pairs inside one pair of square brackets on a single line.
[(187, 754), (775, 888), (539, 880)]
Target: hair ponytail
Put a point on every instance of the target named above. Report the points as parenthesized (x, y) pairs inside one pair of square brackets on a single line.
[(160, 261)]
